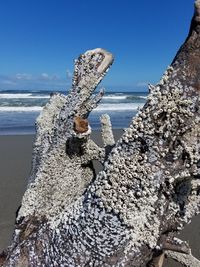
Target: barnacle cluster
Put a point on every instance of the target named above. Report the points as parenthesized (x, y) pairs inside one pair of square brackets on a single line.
[(157, 150)]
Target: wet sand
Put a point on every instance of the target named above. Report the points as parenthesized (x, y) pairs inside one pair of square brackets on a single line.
[(15, 164)]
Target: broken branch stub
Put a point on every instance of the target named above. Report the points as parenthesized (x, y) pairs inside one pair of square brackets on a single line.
[(148, 189)]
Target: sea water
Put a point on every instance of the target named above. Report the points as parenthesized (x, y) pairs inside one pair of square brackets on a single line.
[(19, 109)]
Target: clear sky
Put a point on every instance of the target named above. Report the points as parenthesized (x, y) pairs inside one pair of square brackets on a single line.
[(40, 38)]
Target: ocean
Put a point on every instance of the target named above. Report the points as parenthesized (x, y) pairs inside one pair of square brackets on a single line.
[(19, 109)]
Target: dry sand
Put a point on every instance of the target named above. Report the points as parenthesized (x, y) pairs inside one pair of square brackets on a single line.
[(15, 164)]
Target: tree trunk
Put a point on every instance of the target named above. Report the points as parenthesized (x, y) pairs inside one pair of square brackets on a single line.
[(149, 188)]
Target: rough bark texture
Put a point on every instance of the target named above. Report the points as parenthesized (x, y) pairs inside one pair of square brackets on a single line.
[(149, 187)]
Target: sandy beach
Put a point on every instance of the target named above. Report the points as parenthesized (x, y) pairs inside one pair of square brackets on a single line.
[(15, 164)]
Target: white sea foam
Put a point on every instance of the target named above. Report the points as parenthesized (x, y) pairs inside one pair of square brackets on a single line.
[(119, 107), (143, 97), (115, 97), (20, 109), (101, 107), (121, 97), (24, 96)]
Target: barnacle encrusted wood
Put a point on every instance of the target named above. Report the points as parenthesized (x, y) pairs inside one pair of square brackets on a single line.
[(149, 187)]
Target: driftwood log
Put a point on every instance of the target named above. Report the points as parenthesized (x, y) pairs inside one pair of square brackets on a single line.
[(129, 213)]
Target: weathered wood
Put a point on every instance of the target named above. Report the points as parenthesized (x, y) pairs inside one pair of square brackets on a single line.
[(185, 259), (149, 187)]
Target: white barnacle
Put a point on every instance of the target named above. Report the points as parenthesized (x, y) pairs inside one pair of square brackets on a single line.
[(171, 179)]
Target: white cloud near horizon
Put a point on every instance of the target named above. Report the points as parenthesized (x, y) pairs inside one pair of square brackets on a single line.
[(44, 76), (28, 81), (8, 82), (23, 76), (142, 84), (68, 74)]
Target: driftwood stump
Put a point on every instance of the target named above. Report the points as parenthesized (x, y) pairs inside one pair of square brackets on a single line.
[(149, 188)]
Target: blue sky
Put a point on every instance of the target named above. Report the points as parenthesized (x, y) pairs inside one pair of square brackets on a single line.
[(40, 38)]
